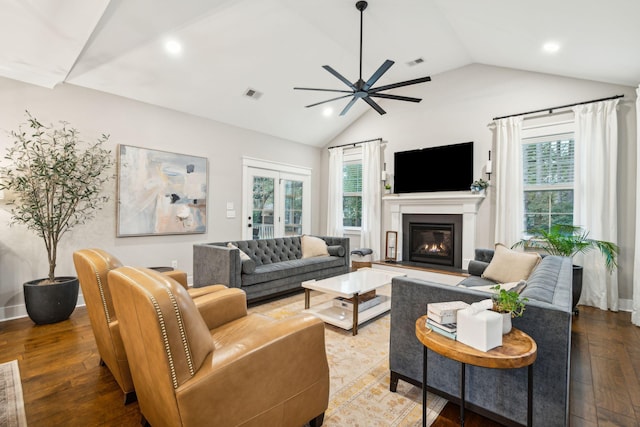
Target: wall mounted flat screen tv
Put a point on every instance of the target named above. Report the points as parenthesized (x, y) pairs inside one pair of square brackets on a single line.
[(444, 168)]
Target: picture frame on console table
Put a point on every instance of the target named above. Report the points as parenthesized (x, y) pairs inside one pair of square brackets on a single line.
[(160, 193)]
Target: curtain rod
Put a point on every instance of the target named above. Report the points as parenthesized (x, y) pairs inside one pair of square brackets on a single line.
[(550, 110), (355, 143)]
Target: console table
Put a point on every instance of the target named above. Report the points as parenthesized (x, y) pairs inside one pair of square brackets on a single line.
[(517, 351)]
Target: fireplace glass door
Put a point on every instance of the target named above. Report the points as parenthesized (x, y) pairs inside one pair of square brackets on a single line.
[(431, 243)]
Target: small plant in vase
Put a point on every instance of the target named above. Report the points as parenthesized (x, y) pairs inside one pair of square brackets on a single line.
[(509, 304), (387, 188), (479, 186)]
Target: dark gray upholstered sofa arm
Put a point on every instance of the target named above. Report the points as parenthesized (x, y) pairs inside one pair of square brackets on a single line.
[(484, 255), (500, 391), (482, 259), (476, 268), (213, 264)]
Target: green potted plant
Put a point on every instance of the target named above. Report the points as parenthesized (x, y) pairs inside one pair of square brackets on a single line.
[(569, 240), (508, 303), (55, 183), (479, 186), (387, 188)]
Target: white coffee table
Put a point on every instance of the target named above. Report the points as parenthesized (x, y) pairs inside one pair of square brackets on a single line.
[(350, 285)]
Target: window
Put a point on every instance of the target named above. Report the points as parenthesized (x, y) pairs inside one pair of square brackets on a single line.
[(352, 193), (548, 180)]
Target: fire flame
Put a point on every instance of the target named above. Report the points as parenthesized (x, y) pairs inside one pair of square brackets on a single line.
[(434, 247)]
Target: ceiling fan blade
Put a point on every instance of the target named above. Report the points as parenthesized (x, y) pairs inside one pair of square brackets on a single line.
[(328, 100), (349, 105), (379, 72), (339, 76), (401, 84), (374, 105), (323, 90), (396, 97)]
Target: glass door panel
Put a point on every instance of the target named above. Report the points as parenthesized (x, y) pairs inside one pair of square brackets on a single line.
[(293, 207), (263, 204)]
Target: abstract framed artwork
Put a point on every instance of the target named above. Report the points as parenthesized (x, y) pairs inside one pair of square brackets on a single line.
[(160, 192)]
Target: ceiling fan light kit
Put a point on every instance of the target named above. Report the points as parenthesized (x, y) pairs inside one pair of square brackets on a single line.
[(365, 90)]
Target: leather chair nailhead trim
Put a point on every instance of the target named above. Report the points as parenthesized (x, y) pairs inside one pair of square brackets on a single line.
[(101, 288), (183, 335), (165, 338)]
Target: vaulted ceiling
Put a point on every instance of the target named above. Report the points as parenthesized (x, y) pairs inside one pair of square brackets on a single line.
[(270, 46)]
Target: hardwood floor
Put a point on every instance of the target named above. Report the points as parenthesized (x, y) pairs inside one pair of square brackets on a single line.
[(63, 384)]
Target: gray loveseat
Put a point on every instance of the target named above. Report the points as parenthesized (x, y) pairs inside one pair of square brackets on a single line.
[(498, 394), (275, 266)]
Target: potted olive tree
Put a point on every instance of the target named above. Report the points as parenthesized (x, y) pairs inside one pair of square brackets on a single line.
[(55, 180), (569, 240)]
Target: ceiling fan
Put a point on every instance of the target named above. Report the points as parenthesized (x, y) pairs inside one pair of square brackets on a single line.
[(364, 90)]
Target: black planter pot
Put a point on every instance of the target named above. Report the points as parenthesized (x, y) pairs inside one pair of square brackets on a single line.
[(576, 286), (51, 303)]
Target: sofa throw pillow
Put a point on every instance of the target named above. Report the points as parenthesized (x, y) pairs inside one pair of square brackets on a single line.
[(510, 266), (248, 265), (313, 247), (243, 255), (336, 250)]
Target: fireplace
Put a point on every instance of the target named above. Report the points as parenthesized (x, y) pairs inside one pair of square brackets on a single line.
[(432, 239), (461, 204)]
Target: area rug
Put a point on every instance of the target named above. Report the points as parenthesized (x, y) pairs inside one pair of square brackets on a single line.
[(359, 374), (11, 402)]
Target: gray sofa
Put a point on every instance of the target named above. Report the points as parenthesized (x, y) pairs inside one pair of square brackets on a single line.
[(275, 266), (495, 393)]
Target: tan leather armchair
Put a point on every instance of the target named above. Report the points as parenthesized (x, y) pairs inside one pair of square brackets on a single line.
[(92, 266), (214, 365)]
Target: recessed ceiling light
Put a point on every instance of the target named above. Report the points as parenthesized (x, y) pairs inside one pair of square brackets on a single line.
[(327, 111), (173, 47), (551, 47)]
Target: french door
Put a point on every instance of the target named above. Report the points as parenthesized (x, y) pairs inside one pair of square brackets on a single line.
[(276, 202)]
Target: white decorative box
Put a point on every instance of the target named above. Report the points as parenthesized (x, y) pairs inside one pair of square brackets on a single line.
[(482, 330), (445, 312)]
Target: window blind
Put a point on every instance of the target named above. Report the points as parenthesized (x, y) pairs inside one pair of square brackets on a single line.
[(548, 163)]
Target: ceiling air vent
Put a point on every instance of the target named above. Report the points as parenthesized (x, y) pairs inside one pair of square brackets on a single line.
[(415, 62), (252, 93)]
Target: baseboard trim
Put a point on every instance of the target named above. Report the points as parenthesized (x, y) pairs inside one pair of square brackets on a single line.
[(19, 311)]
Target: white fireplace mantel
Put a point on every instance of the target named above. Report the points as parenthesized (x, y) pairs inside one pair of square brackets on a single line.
[(458, 202)]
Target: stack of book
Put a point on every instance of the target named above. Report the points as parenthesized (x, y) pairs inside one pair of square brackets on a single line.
[(448, 329), (441, 317)]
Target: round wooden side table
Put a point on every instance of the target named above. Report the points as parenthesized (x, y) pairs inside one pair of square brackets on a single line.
[(517, 351)]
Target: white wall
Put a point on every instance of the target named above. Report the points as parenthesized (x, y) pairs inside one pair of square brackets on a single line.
[(458, 105), (22, 254)]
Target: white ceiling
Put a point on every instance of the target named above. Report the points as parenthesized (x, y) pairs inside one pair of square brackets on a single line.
[(117, 46)]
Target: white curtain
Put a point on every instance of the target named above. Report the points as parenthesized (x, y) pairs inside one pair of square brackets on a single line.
[(635, 310), (334, 202), (371, 198), (508, 181), (595, 196)]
